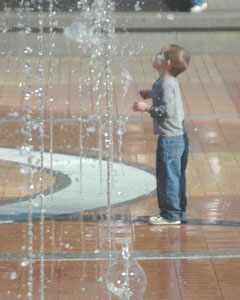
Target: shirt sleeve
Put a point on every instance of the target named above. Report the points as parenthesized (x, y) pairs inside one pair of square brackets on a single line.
[(163, 106)]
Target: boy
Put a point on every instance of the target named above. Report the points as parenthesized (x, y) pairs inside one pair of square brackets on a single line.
[(168, 122)]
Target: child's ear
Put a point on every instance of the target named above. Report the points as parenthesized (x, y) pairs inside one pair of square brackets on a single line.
[(169, 63)]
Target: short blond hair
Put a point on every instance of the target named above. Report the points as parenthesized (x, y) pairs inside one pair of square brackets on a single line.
[(179, 58)]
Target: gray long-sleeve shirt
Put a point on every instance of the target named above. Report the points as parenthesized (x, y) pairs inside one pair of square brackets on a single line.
[(167, 108)]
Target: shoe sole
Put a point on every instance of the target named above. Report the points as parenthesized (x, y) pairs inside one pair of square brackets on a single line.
[(169, 223)]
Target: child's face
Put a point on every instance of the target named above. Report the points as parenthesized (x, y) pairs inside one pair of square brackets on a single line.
[(160, 63)]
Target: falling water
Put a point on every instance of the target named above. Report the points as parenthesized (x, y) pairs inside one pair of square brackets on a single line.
[(126, 278), (26, 150), (98, 39), (51, 103), (126, 80), (50, 94), (80, 96), (83, 6), (99, 42), (108, 83), (41, 134), (28, 134)]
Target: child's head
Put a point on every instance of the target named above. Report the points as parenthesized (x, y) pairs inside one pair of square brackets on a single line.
[(173, 59)]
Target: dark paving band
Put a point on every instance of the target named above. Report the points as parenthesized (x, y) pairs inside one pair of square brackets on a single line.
[(136, 220), (116, 118), (140, 255)]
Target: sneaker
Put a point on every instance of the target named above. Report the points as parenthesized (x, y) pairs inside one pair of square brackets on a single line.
[(199, 8), (158, 220)]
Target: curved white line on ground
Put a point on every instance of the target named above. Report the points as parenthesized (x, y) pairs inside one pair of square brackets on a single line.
[(129, 183)]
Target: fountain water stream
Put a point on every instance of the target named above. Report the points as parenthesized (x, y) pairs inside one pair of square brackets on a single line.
[(93, 31)]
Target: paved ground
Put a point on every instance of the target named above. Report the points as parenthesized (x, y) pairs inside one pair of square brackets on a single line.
[(199, 260), (210, 90)]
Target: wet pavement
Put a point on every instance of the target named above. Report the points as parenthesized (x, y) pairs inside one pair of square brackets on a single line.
[(199, 260)]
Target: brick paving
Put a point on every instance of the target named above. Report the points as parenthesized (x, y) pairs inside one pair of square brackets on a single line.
[(210, 89)]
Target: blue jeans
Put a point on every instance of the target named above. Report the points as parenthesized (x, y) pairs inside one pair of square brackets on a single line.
[(198, 2), (172, 157)]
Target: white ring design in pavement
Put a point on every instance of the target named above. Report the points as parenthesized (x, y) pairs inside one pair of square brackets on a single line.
[(129, 183)]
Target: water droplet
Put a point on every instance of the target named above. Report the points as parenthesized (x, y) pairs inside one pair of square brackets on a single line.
[(67, 245), (27, 96), (28, 109), (25, 150), (13, 275), (28, 50), (13, 114), (25, 262), (91, 129), (28, 30), (25, 170), (93, 117), (170, 17), (120, 131), (19, 25), (137, 6)]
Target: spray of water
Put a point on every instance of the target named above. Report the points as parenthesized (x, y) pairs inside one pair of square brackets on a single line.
[(126, 278), (26, 149), (96, 39)]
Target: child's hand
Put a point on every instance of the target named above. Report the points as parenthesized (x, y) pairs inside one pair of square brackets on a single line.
[(146, 94), (141, 106)]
